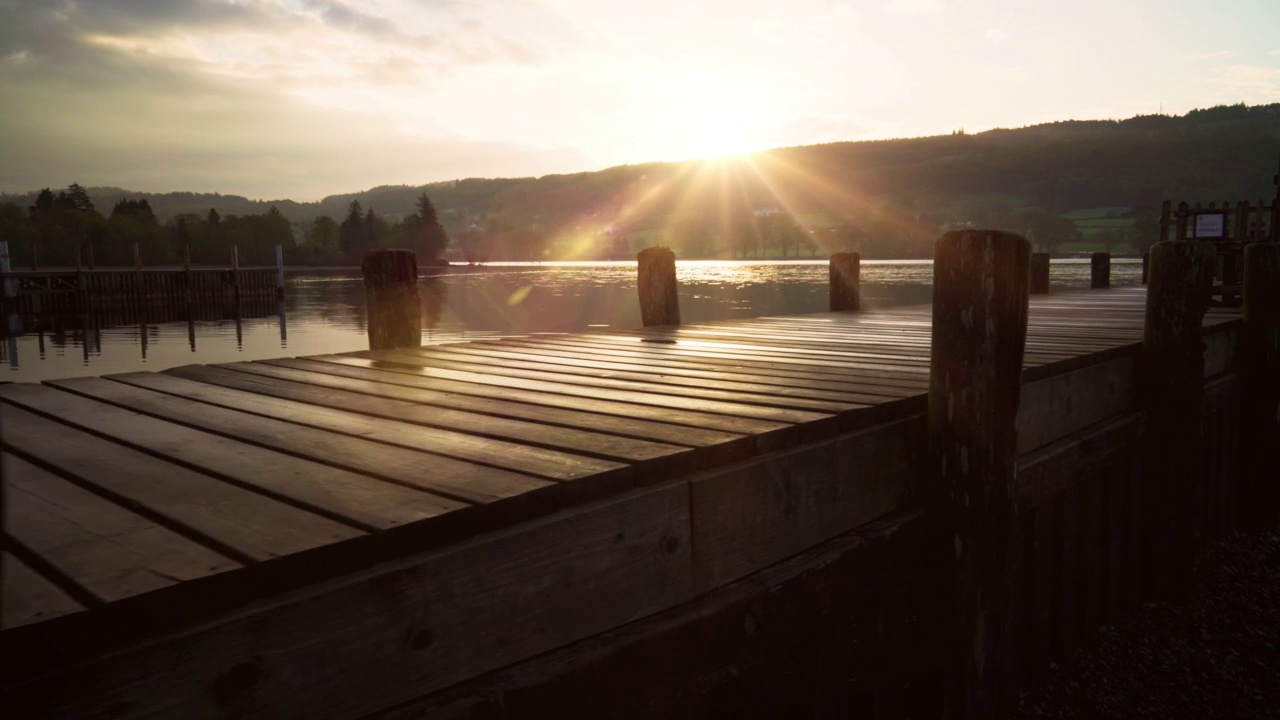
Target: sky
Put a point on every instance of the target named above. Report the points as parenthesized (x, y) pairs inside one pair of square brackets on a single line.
[(299, 99)]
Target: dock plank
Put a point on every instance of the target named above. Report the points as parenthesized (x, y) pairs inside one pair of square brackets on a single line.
[(109, 552), (581, 477), (347, 497), (767, 434), (240, 524), (483, 487), (29, 597), (649, 460), (705, 408), (707, 441), (430, 357)]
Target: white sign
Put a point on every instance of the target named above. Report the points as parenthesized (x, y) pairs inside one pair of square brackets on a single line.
[(1211, 225)]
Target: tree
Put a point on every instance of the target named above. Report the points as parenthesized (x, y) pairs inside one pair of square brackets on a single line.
[(214, 218), (429, 238), (352, 235)]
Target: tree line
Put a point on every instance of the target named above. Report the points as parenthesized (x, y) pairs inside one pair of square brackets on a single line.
[(63, 228)]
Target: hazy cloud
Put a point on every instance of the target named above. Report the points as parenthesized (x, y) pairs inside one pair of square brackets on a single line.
[(996, 35), (913, 7), (1210, 55)]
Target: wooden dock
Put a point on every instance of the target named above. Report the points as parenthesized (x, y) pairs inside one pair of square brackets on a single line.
[(331, 536)]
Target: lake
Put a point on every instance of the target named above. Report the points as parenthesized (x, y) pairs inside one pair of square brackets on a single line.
[(324, 312)]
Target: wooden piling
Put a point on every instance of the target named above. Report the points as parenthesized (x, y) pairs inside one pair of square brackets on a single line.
[(1172, 386), (845, 289), (391, 289), (1100, 270), (1039, 273), (1146, 266), (656, 282), (980, 294), (1260, 345)]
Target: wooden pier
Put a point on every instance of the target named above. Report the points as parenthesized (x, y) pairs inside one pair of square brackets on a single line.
[(409, 533), (71, 291)]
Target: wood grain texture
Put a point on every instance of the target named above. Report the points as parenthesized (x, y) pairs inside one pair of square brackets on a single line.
[(1057, 406), (755, 514), (350, 498), (108, 552), (243, 525), (29, 597), (408, 627)]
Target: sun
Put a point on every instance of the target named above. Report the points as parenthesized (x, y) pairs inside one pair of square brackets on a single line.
[(690, 116)]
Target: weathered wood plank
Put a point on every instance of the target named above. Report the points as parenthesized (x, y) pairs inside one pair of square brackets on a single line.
[(767, 435), (237, 523), (750, 412), (109, 552), (350, 498), (486, 488), (411, 626), (649, 460), (749, 516), (1060, 405), (722, 444), (699, 392), (1055, 468), (582, 476), (29, 597)]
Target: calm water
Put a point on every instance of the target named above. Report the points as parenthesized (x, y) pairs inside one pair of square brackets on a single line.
[(324, 312)]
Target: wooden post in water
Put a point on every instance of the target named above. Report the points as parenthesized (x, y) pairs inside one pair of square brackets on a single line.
[(1260, 345), (391, 289), (1039, 273), (279, 271), (1172, 387), (1146, 266), (92, 267), (980, 293), (845, 288), (1100, 270), (656, 282)]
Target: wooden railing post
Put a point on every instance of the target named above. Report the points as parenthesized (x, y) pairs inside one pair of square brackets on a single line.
[(656, 282), (1100, 270), (1039, 273), (845, 289), (1172, 382), (980, 293), (391, 289), (1260, 345)]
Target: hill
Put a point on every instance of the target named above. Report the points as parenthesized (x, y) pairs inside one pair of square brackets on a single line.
[(1070, 185)]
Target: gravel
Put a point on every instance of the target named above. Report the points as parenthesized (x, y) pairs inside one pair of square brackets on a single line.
[(1215, 656)]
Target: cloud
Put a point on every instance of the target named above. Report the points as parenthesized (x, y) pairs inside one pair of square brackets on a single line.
[(205, 95), (1210, 55), (996, 35), (1274, 52), (913, 7)]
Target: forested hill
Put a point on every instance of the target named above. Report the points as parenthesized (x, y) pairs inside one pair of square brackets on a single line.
[(1067, 184)]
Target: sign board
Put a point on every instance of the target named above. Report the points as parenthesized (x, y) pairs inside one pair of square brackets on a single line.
[(1211, 225)]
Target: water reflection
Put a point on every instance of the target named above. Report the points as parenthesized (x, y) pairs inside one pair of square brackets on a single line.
[(325, 312)]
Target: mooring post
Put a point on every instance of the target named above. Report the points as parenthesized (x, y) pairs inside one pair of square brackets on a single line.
[(279, 271), (656, 282), (1100, 270), (1260, 345), (980, 295), (1172, 385), (92, 267), (391, 289), (1039, 273), (845, 285)]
